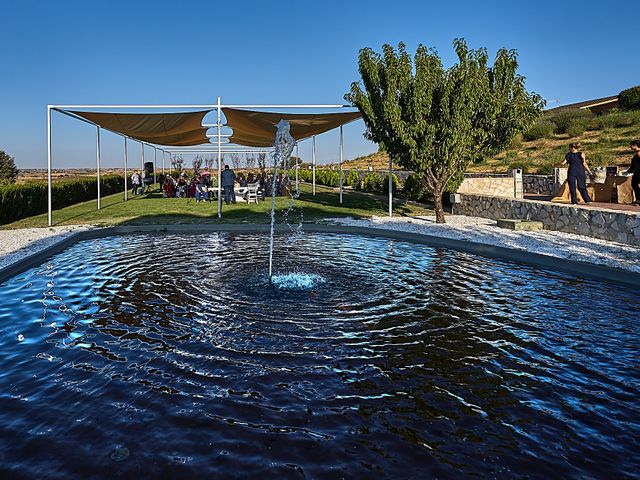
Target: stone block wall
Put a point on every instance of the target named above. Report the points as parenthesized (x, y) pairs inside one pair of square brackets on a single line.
[(495, 185), (538, 184), (612, 225)]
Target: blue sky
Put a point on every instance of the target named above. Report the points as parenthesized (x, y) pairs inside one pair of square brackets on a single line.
[(275, 52)]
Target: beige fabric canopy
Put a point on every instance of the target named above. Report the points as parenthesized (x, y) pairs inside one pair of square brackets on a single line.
[(258, 129), (171, 129)]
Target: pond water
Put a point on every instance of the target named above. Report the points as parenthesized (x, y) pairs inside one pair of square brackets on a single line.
[(173, 356)]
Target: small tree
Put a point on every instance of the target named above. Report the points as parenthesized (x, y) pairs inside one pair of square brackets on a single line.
[(235, 160), (262, 161), (435, 121), (8, 170)]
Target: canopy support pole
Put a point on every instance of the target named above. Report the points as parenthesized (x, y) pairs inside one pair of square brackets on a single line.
[(297, 167), (155, 168), (126, 175), (163, 152), (390, 186), (143, 176), (340, 164), (98, 162), (313, 165), (49, 193), (219, 165)]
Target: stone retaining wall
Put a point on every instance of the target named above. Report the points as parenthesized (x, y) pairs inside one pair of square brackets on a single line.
[(617, 226)]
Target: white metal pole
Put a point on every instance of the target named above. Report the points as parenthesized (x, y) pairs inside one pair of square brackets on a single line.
[(313, 164), (49, 192), (98, 162), (142, 164), (163, 152), (155, 161), (390, 186), (219, 165), (340, 163), (126, 175), (297, 168)]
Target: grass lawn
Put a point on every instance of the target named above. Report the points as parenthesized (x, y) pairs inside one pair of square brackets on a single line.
[(153, 209)]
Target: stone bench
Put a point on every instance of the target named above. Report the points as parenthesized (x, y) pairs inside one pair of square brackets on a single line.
[(525, 225)]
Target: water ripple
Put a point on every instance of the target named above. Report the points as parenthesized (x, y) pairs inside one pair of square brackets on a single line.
[(389, 359)]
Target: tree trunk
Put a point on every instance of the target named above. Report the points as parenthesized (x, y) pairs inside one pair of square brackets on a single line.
[(437, 200)]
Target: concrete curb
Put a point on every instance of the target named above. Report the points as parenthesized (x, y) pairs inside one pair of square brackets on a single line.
[(571, 267)]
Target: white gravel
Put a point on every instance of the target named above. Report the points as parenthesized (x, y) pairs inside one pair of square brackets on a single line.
[(19, 243), (482, 230)]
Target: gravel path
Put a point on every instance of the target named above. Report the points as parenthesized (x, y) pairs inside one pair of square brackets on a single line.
[(22, 242), (482, 230), (17, 244)]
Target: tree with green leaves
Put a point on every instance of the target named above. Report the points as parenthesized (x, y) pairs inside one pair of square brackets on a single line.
[(436, 121), (8, 170)]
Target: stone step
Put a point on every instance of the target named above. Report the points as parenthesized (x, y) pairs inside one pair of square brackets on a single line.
[(515, 224)]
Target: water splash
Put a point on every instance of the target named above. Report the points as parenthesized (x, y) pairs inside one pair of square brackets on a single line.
[(283, 147), (296, 281)]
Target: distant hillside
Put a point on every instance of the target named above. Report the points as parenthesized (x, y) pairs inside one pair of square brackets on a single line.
[(605, 139)]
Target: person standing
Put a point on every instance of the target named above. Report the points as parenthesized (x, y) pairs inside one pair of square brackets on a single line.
[(227, 181), (578, 167), (135, 182), (635, 170)]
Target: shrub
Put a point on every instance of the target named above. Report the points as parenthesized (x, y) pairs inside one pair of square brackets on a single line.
[(520, 164), (571, 121), (617, 119), (546, 168), (414, 188), (394, 184), (8, 170), (629, 99), (353, 179), (372, 182), (540, 129), (516, 141), (24, 200), (600, 159)]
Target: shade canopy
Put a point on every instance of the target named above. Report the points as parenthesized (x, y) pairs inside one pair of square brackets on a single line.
[(171, 129), (258, 129)]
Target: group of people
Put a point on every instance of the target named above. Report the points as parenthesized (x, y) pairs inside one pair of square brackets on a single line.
[(197, 187), (578, 169), (138, 182), (200, 187), (261, 181)]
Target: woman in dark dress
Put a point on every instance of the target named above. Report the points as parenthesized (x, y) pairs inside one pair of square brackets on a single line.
[(635, 170), (578, 167)]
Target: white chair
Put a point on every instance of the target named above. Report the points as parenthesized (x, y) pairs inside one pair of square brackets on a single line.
[(252, 192)]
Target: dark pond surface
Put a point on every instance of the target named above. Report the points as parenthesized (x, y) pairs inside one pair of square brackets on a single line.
[(171, 356)]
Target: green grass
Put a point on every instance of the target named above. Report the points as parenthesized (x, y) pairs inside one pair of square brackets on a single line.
[(153, 209)]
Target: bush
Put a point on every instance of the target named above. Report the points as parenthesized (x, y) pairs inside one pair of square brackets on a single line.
[(521, 165), (600, 160), (372, 182), (617, 119), (353, 179), (25, 200), (8, 170), (394, 183), (546, 168), (572, 121), (629, 99), (414, 188), (540, 129)]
